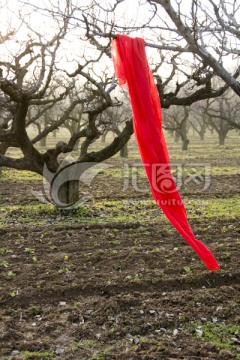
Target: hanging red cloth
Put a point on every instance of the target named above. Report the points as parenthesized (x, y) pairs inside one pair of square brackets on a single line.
[(133, 73)]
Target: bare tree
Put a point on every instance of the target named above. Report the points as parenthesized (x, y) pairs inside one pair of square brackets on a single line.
[(199, 119), (176, 120), (221, 114), (36, 89)]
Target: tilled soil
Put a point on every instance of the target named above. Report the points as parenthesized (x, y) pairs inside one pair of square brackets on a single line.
[(118, 290)]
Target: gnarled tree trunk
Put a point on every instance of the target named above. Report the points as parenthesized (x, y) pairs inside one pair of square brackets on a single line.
[(3, 149)]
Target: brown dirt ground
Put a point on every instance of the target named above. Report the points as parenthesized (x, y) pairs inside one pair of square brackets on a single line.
[(116, 290)]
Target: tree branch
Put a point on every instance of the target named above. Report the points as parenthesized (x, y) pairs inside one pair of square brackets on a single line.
[(196, 48), (111, 149)]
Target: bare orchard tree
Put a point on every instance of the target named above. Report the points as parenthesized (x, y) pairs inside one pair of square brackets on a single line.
[(36, 81), (199, 119), (231, 109), (222, 115), (176, 120)]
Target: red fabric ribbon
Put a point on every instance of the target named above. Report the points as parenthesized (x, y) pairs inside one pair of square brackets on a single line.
[(133, 73)]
